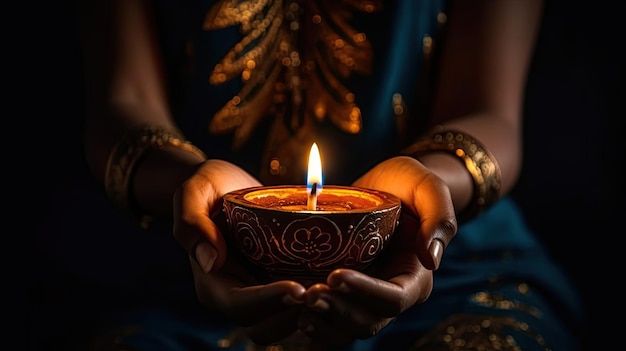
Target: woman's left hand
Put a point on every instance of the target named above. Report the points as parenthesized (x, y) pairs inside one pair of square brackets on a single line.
[(429, 221), (356, 305)]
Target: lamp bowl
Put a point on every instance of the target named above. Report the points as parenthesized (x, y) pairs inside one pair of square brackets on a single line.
[(277, 232)]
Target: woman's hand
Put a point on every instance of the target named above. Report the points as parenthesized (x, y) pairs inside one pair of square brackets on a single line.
[(427, 207), (356, 305), (198, 202), (223, 282), (351, 305), (266, 314)]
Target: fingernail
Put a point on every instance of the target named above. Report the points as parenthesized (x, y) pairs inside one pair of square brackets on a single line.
[(320, 305), (436, 252), (205, 256)]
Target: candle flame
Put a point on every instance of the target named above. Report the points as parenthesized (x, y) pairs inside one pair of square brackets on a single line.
[(314, 175)]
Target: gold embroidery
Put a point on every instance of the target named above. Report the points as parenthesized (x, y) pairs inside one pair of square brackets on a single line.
[(485, 331), (251, 58), (292, 59), (478, 332), (491, 300)]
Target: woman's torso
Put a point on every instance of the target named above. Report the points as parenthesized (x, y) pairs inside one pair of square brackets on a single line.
[(263, 80)]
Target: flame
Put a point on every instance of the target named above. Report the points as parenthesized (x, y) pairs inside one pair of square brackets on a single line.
[(314, 175)]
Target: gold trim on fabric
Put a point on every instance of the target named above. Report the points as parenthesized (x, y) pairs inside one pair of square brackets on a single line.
[(295, 55)]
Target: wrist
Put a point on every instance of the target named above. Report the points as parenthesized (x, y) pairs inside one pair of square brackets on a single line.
[(448, 168), (158, 176), (144, 167), (478, 162)]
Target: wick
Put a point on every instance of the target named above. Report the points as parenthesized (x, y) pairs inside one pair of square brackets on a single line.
[(311, 203)]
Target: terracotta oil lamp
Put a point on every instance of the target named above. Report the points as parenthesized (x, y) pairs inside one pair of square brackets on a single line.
[(303, 233)]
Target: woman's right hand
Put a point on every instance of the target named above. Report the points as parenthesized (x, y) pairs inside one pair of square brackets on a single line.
[(269, 312)]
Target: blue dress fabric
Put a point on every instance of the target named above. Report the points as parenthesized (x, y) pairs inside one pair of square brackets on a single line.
[(496, 288)]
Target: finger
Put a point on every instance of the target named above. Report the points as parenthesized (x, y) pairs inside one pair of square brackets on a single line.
[(437, 221), (314, 298), (193, 228), (391, 297), (267, 298), (356, 305), (331, 318), (254, 304), (388, 296), (428, 200), (345, 320)]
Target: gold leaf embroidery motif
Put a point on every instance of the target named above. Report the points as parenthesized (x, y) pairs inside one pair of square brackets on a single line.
[(292, 59)]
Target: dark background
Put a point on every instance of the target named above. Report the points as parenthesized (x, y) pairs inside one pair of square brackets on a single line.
[(570, 188)]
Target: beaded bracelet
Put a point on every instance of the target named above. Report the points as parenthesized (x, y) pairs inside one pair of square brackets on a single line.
[(124, 157), (479, 162)]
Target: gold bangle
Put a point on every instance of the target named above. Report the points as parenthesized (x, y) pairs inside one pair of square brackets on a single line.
[(479, 162), (124, 158)]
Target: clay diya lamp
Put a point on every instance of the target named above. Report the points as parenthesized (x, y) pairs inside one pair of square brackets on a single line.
[(303, 233)]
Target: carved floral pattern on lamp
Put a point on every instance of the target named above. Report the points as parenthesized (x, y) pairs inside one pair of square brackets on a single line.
[(274, 229), (303, 233)]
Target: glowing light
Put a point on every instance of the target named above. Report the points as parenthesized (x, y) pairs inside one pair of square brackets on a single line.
[(314, 177)]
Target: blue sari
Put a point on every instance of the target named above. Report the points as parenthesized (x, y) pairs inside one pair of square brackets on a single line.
[(496, 287)]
